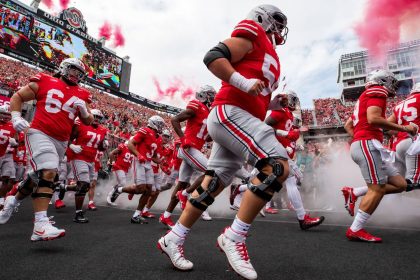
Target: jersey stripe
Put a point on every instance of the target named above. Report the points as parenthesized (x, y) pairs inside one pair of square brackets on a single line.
[(246, 29)]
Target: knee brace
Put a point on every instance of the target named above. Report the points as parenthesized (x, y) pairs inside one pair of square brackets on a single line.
[(204, 198), (82, 188), (37, 178), (26, 187), (269, 183)]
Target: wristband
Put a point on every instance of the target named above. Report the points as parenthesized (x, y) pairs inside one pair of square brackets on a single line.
[(240, 82), (15, 114)]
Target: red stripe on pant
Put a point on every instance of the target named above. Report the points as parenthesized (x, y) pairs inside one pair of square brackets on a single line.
[(28, 148), (248, 141), (194, 161), (371, 163)]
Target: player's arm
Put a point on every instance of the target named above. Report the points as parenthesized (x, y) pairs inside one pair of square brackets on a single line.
[(84, 111), (348, 126), (113, 154), (26, 93), (219, 61), (178, 119), (374, 117), (271, 121)]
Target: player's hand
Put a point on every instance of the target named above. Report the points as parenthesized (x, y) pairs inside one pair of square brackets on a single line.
[(80, 105), (293, 134), (13, 142), (19, 123), (289, 150), (411, 129), (257, 87), (141, 158), (76, 148)]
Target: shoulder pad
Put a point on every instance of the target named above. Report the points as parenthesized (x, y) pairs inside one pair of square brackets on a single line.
[(194, 105), (378, 92), (248, 29)]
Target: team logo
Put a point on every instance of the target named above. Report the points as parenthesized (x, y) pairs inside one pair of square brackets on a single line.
[(75, 18)]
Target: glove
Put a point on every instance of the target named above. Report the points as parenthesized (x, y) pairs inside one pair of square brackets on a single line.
[(80, 105), (141, 158), (415, 126), (13, 142), (293, 134), (289, 150), (76, 148), (184, 143), (19, 123)]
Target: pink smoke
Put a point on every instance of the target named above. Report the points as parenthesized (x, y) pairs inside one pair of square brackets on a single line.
[(176, 88), (64, 4), (382, 23), (48, 3), (119, 39), (105, 31)]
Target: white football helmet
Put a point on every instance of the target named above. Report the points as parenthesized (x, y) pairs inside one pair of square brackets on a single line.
[(5, 115), (206, 94), (166, 133), (416, 88), (292, 99), (272, 21), (67, 67), (156, 122), (382, 77)]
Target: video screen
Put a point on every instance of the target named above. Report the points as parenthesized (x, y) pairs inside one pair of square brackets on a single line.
[(14, 30), (52, 44)]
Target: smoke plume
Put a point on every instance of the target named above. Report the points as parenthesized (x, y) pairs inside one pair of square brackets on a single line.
[(176, 89), (119, 39), (105, 30), (64, 4), (383, 22), (48, 3)]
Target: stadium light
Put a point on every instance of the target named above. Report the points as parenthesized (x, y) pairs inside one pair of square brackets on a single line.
[(126, 58), (102, 41), (35, 3)]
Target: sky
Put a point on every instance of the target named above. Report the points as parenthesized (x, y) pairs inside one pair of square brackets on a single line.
[(166, 40)]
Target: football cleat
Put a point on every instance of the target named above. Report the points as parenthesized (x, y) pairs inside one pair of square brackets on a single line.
[(130, 196), (271, 210), (44, 231), (362, 235), (112, 196), (138, 220), (205, 216), (234, 191), (80, 218), (166, 221), (14, 190), (61, 189), (59, 204), (262, 213), (8, 209), (92, 206), (175, 253), (309, 222), (147, 214), (237, 255), (349, 199), (182, 199)]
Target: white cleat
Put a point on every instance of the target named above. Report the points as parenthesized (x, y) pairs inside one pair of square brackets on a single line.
[(205, 216), (237, 255), (262, 213), (10, 206), (44, 231), (175, 253)]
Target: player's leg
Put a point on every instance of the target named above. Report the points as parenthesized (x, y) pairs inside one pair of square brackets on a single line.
[(153, 197), (91, 193), (121, 177), (82, 175)]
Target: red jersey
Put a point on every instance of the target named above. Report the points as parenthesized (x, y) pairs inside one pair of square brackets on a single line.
[(124, 159), (55, 112), (176, 162), (372, 96), (147, 140), (158, 155), (262, 63), (6, 131), (284, 119), (407, 111), (89, 138), (196, 128)]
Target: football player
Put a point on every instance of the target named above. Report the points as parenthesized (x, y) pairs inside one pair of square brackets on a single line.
[(192, 141), (249, 68), (59, 101), (143, 145), (367, 151)]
